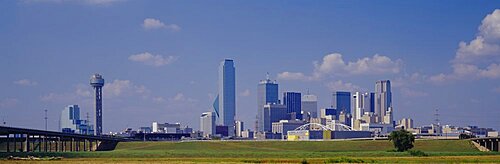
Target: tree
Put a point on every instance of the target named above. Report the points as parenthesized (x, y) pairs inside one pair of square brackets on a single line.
[(402, 140)]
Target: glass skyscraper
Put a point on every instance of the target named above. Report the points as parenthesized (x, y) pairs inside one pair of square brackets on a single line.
[(267, 93), (225, 103), (342, 102), (293, 102)]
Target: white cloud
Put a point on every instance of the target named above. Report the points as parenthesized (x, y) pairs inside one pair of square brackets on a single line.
[(158, 99), (293, 76), (25, 82), (334, 65), (339, 85), (480, 57), (378, 64), (8, 102), (245, 93), (179, 97), (151, 24), (153, 60), (119, 88)]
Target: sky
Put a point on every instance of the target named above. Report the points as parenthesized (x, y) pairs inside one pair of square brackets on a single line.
[(160, 58)]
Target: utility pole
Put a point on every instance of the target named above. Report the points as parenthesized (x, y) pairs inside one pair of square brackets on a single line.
[(46, 120)]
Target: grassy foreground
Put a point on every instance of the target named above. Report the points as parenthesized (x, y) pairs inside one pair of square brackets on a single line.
[(280, 152)]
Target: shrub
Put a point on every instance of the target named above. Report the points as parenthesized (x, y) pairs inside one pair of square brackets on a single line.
[(417, 153)]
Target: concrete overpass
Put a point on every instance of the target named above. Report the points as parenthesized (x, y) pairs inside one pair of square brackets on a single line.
[(31, 140), (486, 144)]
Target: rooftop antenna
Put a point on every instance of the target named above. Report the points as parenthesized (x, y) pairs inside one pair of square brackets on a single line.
[(45, 119), (267, 76)]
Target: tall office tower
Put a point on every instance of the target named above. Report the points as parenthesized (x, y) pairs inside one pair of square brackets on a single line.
[(383, 100), (293, 102), (273, 113), (97, 82), (226, 99), (207, 124), (70, 121), (362, 103), (267, 93), (342, 102), (310, 105), (239, 128)]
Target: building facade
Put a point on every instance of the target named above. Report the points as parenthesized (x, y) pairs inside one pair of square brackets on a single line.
[(342, 101), (293, 102), (207, 124), (273, 113), (267, 93), (225, 105), (383, 101), (70, 121), (310, 105)]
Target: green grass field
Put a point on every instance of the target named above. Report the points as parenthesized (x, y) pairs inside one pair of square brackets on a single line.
[(281, 152)]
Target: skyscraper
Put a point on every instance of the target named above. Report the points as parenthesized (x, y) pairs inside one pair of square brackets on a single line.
[(239, 128), (226, 99), (293, 102), (273, 113), (362, 102), (310, 105), (342, 102), (207, 124), (267, 92), (96, 81), (383, 101), (71, 122)]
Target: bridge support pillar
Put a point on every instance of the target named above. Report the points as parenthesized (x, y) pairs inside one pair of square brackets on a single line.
[(27, 143), (8, 143)]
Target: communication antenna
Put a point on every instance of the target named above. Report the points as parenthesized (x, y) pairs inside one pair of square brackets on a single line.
[(46, 120), (436, 115), (267, 76)]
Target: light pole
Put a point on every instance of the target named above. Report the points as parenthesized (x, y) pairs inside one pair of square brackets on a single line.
[(45, 119)]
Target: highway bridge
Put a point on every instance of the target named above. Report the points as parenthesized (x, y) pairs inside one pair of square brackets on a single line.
[(31, 140), (486, 144)]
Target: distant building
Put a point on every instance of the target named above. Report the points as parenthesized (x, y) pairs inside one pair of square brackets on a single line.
[(293, 101), (222, 131), (267, 93), (328, 112), (225, 102), (239, 128), (283, 126), (165, 128), (383, 101), (406, 123), (247, 134), (362, 103), (310, 105), (342, 101), (71, 123), (273, 113), (207, 124)]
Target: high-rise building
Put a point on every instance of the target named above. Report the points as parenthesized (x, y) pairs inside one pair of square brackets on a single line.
[(406, 123), (293, 102), (226, 99), (328, 112), (267, 93), (310, 105), (273, 113), (207, 124), (239, 128), (97, 82), (362, 103), (383, 101), (71, 123), (342, 102)]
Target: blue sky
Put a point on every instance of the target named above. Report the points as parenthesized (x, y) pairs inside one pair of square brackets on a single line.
[(160, 58)]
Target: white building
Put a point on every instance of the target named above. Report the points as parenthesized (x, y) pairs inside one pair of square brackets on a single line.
[(207, 124), (165, 128), (239, 128)]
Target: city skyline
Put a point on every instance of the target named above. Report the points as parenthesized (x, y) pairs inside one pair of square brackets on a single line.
[(161, 65)]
